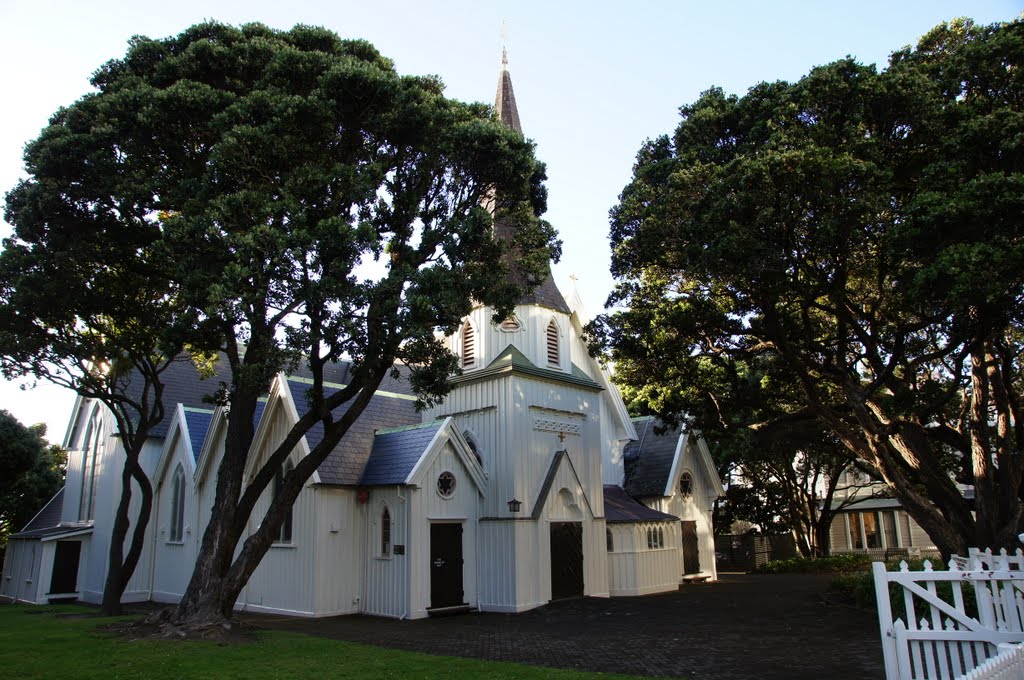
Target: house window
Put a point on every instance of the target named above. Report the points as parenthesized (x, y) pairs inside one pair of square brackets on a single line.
[(510, 325), (92, 446), (468, 346), (609, 540), (177, 506), (873, 530), (686, 485), (284, 534), (552, 337), (385, 532)]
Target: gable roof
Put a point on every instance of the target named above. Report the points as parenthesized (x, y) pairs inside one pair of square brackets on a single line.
[(47, 518), (345, 464), (619, 508), (549, 480), (648, 460), (395, 453), (197, 422)]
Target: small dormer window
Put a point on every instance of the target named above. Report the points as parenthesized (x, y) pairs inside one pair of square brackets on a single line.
[(552, 338), (468, 346)]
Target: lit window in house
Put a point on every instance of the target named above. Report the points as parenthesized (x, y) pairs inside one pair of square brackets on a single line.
[(552, 337)]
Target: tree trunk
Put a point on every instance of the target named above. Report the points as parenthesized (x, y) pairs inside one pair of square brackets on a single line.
[(119, 567)]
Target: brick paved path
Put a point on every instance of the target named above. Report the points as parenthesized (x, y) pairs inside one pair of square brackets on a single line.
[(768, 627)]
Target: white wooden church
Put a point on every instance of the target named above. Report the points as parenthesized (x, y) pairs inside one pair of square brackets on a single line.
[(529, 483)]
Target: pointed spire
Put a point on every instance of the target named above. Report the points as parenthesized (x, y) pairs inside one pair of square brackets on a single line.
[(505, 99), (546, 294)]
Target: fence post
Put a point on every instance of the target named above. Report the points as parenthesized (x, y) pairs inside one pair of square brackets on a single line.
[(892, 671)]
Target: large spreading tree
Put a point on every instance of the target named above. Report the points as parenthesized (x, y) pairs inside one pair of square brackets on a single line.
[(307, 204), (862, 228)]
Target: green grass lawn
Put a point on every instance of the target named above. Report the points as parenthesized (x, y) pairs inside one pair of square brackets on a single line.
[(37, 642)]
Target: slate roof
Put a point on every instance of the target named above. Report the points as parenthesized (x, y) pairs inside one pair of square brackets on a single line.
[(197, 422), (47, 521), (346, 462), (619, 508), (396, 452), (648, 460)]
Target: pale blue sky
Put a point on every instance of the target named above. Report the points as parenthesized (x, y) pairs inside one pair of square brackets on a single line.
[(593, 80)]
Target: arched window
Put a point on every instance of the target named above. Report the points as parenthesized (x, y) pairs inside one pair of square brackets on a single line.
[(177, 506), (608, 539), (552, 338), (468, 346), (686, 485), (473, 446), (284, 534), (385, 532), (92, 450)]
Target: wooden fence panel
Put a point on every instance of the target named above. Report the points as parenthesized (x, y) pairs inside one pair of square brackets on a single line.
[(935, 638)]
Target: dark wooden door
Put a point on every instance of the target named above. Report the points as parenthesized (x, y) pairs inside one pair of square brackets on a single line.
[(445, 565), (691, 551), (566, 559), (64, 579)]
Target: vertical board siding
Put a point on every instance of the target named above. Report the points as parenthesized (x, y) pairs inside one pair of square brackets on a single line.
[(22, 573), (635, 569), (338, 538), (385, 590), (172, 562), (496, 567), (284, 580)]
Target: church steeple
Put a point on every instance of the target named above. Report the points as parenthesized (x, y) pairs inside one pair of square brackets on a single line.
[(505, 99), (547, 293)]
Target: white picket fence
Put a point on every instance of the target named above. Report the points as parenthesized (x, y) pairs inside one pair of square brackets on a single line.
[(1008, 665), (936, 639)]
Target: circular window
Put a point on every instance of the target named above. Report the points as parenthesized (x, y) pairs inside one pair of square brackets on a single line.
[(446, 484), (686, 485)]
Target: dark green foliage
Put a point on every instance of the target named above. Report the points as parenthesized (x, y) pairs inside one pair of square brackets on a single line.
[(852, 242), (276, 197), (833, 564), (31, 472), (858, 589)]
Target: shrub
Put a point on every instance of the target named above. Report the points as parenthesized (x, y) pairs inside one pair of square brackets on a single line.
[(833, 564), (858, 589)]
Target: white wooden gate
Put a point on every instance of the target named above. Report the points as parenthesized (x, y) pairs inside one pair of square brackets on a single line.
[(936, 639)]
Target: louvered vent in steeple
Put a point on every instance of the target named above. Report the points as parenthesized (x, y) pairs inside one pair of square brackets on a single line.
[(468, 346), (552, 335)]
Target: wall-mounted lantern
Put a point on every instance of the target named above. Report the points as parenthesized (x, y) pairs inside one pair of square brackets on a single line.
[(514, 505)]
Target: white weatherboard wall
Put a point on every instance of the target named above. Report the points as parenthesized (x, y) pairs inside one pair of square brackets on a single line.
[(285, 579), (429, 507), (172, 561), (22, 576), (636, 569), (386, 587), (339, 538)]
